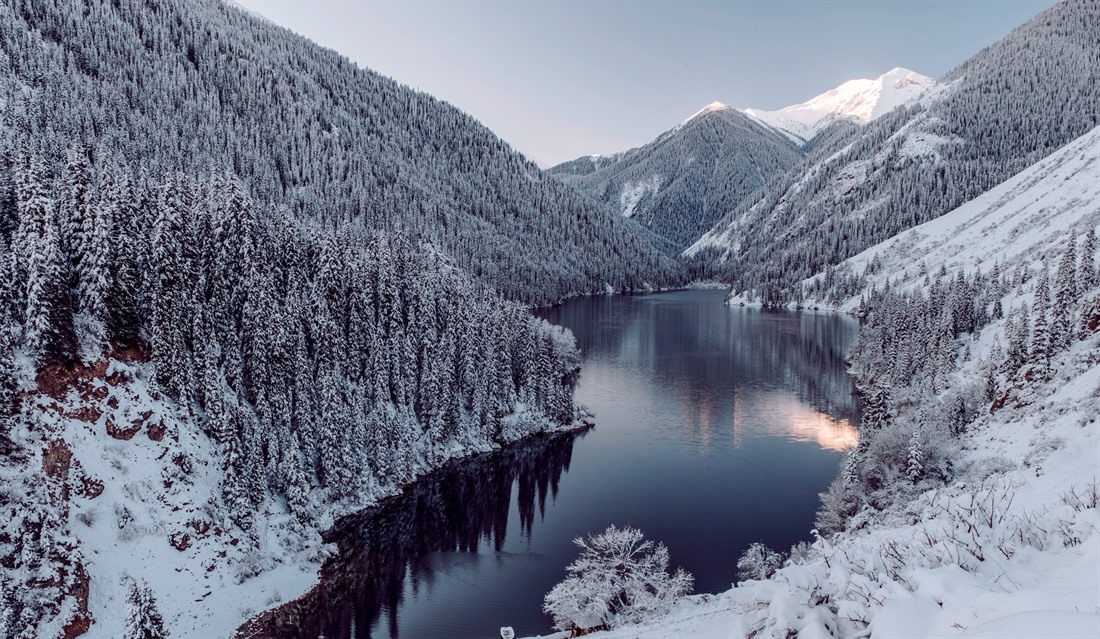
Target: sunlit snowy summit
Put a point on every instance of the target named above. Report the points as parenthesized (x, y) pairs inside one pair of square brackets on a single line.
[(860, 100)]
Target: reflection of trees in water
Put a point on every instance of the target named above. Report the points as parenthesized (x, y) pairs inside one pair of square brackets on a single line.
[(798, 350), (452, 510)]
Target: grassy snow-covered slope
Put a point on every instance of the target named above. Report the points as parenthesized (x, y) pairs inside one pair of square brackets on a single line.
[(1010, 545), (1020, 221)]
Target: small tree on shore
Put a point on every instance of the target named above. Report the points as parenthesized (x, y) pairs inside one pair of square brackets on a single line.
[(619, 578)]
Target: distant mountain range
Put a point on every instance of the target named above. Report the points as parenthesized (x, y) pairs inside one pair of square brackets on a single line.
[(1000, 111), (680, 185)]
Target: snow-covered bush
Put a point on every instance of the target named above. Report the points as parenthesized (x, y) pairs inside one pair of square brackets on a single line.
[(620, 578), (758, 562)]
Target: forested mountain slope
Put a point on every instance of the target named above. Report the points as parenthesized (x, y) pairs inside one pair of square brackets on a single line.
[(274, 371), (1010, 105), (681, 183), (190, 84), (233, 306)]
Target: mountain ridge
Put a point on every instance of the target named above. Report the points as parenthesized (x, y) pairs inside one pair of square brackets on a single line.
[(860, 100)]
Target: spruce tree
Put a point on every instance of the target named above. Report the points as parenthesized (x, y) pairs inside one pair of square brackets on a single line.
[(143, 620), (1065, 299), (48, 318), (1040, 351)]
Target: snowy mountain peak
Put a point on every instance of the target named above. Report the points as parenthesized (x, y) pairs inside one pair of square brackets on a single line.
[(859, 100), (710, 108)]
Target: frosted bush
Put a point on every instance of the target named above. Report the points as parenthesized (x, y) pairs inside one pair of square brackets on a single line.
[(620, 578)]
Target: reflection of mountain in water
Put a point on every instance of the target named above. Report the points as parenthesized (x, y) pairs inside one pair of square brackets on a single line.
[(761, 351), (452, 510), (782, 415)]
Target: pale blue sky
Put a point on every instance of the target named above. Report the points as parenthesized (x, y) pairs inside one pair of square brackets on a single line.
[(558, 80)]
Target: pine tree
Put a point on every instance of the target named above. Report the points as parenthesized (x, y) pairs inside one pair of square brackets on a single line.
[(1039, 354), (1017, 333), (876, 412), (1065, 299), (48, 328), (1087, 276), (9, 383), (75, 211), (143, 620), (914, 469)]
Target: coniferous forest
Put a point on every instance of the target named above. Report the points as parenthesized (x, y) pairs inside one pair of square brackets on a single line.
[(264, 288)]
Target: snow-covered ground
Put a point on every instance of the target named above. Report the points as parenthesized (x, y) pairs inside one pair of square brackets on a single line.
[(1011, 546), (144, 504)]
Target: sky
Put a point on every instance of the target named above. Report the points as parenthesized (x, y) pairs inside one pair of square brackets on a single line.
[(559, 80)]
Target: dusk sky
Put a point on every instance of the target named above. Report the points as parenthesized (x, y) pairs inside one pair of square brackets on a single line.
[(561, 80)]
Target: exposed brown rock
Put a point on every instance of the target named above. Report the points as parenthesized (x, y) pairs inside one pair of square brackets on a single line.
[(121, 433), (180, 540), (85, 413), (82, 620), (156, 431), (117, 378), (90, 487), (56, 459)]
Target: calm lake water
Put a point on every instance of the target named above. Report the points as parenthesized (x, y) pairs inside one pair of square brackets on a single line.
[(715, 427)]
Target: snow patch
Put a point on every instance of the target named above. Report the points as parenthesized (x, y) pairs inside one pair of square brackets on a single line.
[(634, 192)]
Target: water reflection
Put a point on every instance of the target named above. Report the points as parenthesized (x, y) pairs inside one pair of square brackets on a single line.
[(387, 551), (712, 359), (780, 415)]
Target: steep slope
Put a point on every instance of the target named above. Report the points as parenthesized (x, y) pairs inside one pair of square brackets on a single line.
[(1017, 222), (678, 185), (857, 100), (970, 508), (1007, 107), (194, 84)]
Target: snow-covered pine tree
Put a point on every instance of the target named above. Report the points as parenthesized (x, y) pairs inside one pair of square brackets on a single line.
[(143, 620), (1040, 350), (914, 460), (48, 328), (1087, 276), (1065, 298), (75, 203)]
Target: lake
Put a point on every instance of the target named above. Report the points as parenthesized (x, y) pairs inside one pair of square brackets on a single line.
[(716, 427)]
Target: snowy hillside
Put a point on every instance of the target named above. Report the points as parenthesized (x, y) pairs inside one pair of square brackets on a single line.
[(860, 100), (998, 113), (1020, 221), (969, 508), (136, 489)]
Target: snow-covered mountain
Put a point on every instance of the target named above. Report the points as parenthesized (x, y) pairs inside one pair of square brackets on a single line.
[(1022, 221), (859, 100), (681, 183), (999, 112)]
